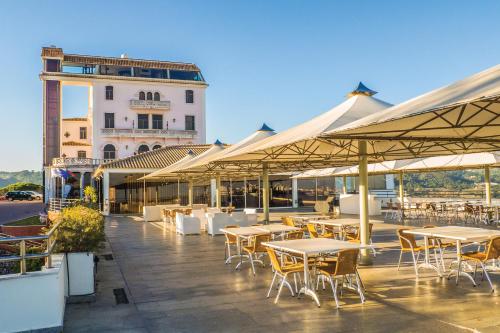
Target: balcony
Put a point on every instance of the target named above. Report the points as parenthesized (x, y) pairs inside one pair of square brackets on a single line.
[(149, 105), (149, 133), (77, 162)]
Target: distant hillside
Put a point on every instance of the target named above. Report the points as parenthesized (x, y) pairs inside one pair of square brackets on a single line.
[(25, 176)]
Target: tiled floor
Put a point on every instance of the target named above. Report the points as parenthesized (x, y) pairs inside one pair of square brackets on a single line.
[(180, 284)]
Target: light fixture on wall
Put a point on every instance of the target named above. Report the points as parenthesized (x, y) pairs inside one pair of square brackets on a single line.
[(126, 147), (126, 118), (173, 120)]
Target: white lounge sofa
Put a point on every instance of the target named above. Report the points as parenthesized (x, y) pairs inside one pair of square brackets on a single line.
[(250, 210), (216, 222), (153, 213), (201, 215), (186, 225), (240, 219)]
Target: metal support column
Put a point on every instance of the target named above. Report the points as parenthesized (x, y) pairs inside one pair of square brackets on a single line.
[(218, 192), (364, 219), (265, 192), (487, 184), (344, 184), (190, 192)]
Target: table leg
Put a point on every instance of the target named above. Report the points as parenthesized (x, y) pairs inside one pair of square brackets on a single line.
[(458, 272), (427, 262), (238, 246), (308, 289)]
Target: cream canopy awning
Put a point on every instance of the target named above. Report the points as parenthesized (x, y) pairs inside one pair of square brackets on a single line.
[(463, 117), (196, 166), (294, 144), (189, 158), (451, 162)]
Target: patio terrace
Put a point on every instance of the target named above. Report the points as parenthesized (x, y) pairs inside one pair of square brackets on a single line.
[(180, 283)]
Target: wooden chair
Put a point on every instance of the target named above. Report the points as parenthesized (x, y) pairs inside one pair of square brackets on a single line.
[(345, 265), (230, 241), (294, 235), (409, 245), (282, 272), (355, 237), (491, 252), (255, 248)]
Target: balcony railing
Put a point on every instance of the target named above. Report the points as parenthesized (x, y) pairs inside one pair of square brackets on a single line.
[(150, 133), (77, 162), (147, 104)]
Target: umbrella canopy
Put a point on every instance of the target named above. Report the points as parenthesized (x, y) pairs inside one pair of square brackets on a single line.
[(463, 117), (190, 157), (198, 165), (298, 144), (451, 162)]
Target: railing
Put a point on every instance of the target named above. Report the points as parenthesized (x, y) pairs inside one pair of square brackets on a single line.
[(138, 132), (75, 161), (23, 256), (147, 104), (57, 204)]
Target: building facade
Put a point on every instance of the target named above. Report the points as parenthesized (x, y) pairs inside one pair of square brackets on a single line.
[(134, 106)]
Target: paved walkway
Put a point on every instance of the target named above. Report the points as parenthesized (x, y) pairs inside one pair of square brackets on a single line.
[(180, 284)]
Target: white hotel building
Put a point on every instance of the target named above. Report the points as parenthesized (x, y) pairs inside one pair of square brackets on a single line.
[(134, 106)]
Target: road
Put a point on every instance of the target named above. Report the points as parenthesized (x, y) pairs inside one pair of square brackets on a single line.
[(17, 210)]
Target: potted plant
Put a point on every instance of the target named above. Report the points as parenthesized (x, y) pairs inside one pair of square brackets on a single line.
[(79, 235)]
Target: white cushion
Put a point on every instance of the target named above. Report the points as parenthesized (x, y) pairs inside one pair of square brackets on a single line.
[(186, 224), (216, 222)]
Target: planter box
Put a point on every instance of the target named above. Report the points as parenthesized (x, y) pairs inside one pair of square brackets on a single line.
[(81, 274)]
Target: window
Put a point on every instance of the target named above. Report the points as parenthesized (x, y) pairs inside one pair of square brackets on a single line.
[(190, 123), (83, 133), (185, 75), (157, 121), (143, 149), (156, 147), (149, 96), (142, 96), (157, 96), (82, 154), (189, 96), (109, 93), (142, 121), (109, 120), (109, 152)]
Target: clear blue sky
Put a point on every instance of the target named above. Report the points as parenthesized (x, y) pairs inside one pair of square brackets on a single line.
[(279, 62)]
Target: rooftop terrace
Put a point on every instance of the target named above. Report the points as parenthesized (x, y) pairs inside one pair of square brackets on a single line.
[(180, 284)]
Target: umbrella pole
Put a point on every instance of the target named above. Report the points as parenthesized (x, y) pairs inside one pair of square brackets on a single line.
[(265, 192), (190, 192), (487, 185), (402, 194), (218, 192), (364, 219)]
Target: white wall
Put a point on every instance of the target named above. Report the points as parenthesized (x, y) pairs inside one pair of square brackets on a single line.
[(125, 117), (35, 300), (72, 127)]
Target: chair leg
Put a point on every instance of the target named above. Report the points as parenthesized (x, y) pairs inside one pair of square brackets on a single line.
[(415, 262), (487, 277), (400, 257), (334, 290), (360, 287), (279, 290), (251, 263), (272, 285)]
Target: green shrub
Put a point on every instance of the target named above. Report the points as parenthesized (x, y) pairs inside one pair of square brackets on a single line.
[(81, 230)]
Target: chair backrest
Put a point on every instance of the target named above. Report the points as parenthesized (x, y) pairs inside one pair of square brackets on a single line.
[(311, 228), (231, 238), (346, 262), (274, 259), (406, 240), (493, 250), (295, 235), (257, 242), (286, 220)]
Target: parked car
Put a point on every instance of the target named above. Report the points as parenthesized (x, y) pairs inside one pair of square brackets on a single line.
[(18, 195), (36, 195)]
